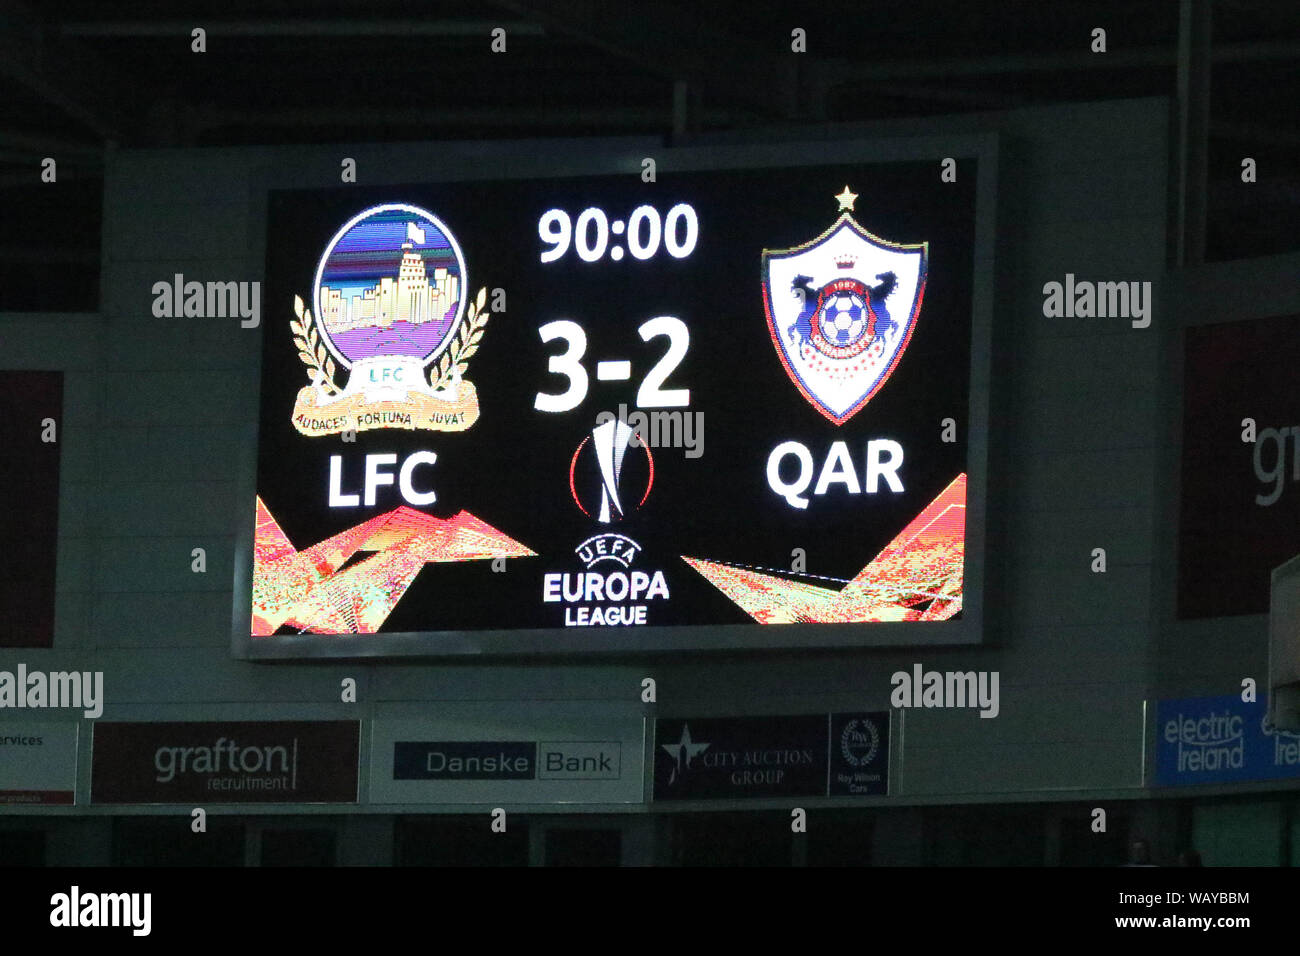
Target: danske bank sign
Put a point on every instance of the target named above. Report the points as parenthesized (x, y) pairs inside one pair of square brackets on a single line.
[(506, 760)]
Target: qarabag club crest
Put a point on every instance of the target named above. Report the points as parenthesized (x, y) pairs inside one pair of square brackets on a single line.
[(841, 309), (390, 306)]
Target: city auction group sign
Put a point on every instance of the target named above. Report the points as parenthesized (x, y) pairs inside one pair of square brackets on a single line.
[(607, 413), (816, 755)]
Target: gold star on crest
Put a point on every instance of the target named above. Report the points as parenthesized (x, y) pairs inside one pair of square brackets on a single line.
[(846, 199)]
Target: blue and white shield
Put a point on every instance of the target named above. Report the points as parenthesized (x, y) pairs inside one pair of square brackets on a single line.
[(841, 309)]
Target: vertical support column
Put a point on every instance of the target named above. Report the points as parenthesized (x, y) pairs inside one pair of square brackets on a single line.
[(898, 838), (686, 111), (638, 840), (680, 105), (79, 841), (1156, 821), (366, 840), (664, 837), (817, 92), (799, 849), (1052, 836), (1193, 128), (1285, 823), (537, 841), (253, 841)]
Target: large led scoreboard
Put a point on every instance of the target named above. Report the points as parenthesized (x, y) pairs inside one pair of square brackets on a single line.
[(743, 404)]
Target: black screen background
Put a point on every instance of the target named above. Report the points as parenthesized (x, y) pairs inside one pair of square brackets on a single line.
[(510, 469)]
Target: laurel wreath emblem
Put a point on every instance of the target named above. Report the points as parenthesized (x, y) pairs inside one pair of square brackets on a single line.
[(853, 759), (453, 364), (455, 360), (310, 349)]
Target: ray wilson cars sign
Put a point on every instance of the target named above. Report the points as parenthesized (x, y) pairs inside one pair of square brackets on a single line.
[(741, 407)]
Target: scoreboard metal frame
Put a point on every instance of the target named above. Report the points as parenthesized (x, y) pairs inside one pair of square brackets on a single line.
[(539, 160)]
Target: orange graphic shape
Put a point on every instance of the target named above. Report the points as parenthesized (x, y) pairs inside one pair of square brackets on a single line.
[(917, 577), (307, 590)]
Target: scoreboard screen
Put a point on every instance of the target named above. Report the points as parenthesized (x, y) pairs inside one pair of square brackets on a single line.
[(717, 407)]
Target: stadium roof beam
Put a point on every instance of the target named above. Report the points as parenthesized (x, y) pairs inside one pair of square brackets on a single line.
[(1192, 160), (673, 43), (24, 143), (1254, 133), (969, 99), (838, 71), (518, 117), (298, 28), (64, 74), (37, 255)]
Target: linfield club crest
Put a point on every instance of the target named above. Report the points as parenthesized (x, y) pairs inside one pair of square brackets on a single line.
[(841, 309), (391, 306)]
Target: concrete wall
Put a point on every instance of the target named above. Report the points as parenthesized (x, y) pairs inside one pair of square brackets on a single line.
[(159, 410), (1209, 656)]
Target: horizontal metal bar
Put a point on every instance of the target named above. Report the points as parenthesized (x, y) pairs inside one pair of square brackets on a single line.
[(843, 70), (41, 254), (487, 116), (42, 146), (299, 28)]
